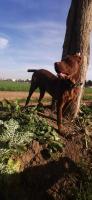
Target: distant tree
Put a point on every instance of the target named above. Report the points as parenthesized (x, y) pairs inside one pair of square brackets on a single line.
[(27, 80), (88, 83), (77, 37)]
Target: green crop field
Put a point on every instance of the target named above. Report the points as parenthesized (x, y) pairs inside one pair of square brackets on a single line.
[(14, 86), (87, 94), (88, 90)]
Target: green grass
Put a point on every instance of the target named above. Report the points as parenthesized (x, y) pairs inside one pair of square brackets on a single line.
[(88, 90), (87, 94), (35, 100), (87, 97), (14, 86)]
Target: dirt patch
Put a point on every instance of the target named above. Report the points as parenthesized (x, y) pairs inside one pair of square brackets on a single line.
[(18, 95), (23, 95)]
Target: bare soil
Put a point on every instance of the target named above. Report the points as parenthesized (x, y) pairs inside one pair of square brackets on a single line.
[(18, 95), (23, 95)]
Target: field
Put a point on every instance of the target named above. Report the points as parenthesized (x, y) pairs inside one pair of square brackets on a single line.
[(13, 86), (35, 161)]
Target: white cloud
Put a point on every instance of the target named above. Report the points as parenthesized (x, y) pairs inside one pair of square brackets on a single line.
[(3, 42)]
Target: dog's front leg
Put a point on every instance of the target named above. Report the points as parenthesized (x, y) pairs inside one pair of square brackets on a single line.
[(60, 105)]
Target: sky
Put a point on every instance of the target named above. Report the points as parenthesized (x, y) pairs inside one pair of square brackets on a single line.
[(31, 36)]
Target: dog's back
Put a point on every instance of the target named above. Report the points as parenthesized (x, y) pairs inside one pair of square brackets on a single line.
[(43, 73), (43, 76)]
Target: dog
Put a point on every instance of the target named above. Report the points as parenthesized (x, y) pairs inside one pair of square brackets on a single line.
[(59, 89), (69, 68)]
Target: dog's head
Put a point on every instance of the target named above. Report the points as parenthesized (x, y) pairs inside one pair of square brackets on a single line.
[(66, 66)]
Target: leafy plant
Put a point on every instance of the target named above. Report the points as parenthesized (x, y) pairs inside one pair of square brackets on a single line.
[(19, 130), (84, 121)]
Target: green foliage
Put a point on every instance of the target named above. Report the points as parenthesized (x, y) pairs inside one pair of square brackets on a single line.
[(86, 110), (19, 130), (84, 191), (85, 123), (13, 166)]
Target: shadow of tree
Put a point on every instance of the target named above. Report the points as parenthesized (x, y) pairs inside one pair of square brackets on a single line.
[(37, 182)]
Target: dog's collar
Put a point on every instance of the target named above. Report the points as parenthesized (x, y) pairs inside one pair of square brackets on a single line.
[(78, 84)]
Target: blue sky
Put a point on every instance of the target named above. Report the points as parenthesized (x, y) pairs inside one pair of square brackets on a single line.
[(31, 35)]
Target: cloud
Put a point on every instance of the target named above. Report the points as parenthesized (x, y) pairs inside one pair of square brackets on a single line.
[(3, 42)]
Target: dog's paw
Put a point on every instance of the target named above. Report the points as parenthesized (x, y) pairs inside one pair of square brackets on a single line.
[(40, 104)]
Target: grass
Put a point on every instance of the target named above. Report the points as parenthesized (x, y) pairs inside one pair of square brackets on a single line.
[(88, 90), (87, 94), (87, 97), (35, 100), (14, 86)]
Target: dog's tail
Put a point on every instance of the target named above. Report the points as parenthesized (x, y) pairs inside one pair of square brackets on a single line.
[(31, 70)]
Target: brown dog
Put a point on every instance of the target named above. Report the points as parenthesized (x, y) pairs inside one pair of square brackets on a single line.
[(59, 89)]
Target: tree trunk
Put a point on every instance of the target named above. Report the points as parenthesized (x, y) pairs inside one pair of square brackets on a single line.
[(77, 38)]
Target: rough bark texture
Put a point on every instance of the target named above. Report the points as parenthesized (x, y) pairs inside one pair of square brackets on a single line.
[(77, 38)]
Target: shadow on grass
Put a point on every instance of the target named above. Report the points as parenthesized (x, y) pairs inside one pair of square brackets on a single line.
[(43, 182)]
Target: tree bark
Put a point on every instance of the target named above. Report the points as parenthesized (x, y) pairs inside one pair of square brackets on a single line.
[(77, 38)]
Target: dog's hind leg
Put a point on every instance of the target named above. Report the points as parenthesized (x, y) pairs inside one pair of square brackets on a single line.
[(33, 87), (53, 105), (42, 92)]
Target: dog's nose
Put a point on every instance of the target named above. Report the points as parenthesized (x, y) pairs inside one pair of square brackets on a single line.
[(56, 64)]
